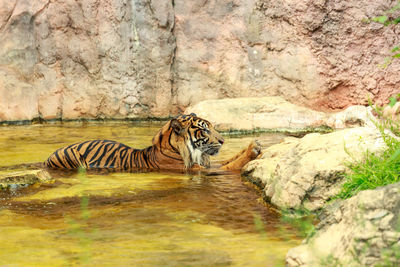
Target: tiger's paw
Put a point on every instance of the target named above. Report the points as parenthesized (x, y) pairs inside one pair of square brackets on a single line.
[(254, 150)]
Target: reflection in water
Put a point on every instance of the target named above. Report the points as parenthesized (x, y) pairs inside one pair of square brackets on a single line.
[(133, 219)]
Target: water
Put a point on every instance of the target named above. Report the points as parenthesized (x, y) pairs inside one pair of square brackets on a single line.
[(133, 219)]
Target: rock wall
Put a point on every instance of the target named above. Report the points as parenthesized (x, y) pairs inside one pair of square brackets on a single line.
[(327, 54), (140, 58), (88, 58)]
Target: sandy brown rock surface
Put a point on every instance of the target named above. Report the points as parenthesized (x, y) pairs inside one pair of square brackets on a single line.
[(117, 59), (74, 59), (316, 53)]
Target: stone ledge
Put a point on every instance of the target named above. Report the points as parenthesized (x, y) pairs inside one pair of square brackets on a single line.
[(23, 178), (273, 113)]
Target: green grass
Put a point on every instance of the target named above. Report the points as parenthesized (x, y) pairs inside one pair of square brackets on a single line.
[(375, 169)]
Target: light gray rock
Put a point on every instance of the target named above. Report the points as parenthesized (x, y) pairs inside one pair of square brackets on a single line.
[(252, 113), (308, 171), (360, 231), (23, 178), (353, 116)]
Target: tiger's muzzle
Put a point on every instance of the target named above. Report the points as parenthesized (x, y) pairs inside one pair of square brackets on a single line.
[(211, 149)]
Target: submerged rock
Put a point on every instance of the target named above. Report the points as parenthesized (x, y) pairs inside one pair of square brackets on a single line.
[(360, 231), (23, 178), (307, 172)]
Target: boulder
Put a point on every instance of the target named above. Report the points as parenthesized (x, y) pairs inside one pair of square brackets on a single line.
[(251, 113), (352, 116), (274, 113), (307, 172), (360, 231), (23, 178)]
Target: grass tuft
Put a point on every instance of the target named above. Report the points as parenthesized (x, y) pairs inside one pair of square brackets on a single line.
[(375, 169)]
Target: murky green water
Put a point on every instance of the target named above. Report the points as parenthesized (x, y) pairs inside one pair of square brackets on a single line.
[(133, 219)]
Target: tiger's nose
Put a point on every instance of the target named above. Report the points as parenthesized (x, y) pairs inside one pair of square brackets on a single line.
[(221, 141)]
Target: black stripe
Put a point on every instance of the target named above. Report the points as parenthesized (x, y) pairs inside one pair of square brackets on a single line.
[(59, 160), (76, 159), (101, 156), (98, 149), (90, 148), (134, 161), (123, 157), (83, 161), (191, 141), (153, 157), (69, 146), (145, 159), (112, 163), (81, 144), (68, 159), (129, 160), (173, 148), (148, 156), (51, 163), (111, 156)]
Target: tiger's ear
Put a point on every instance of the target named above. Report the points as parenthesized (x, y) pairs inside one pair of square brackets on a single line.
[(176, 126), (193, 114)]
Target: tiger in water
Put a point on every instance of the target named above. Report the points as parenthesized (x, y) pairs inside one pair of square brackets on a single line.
[(184, 142)]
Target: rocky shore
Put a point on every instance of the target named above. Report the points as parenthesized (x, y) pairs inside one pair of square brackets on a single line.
[(306, 173)]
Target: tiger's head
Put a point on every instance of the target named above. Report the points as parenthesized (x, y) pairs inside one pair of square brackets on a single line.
[(194, 138)]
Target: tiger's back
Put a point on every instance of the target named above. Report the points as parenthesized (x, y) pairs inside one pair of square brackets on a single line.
[(95, 154)]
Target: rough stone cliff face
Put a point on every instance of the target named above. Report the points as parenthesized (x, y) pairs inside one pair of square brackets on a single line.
[(317, 53), (139, 58), (89, 58)]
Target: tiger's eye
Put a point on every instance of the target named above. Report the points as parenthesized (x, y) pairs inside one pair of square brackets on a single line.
[(206, 131)]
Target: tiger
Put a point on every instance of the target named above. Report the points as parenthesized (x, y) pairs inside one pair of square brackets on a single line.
[(185, 142)]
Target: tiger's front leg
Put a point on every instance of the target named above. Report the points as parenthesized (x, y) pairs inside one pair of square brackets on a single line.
[(243, 157)]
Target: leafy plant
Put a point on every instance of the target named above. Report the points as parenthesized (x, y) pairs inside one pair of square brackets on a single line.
[(387, 19), (376, 169)]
